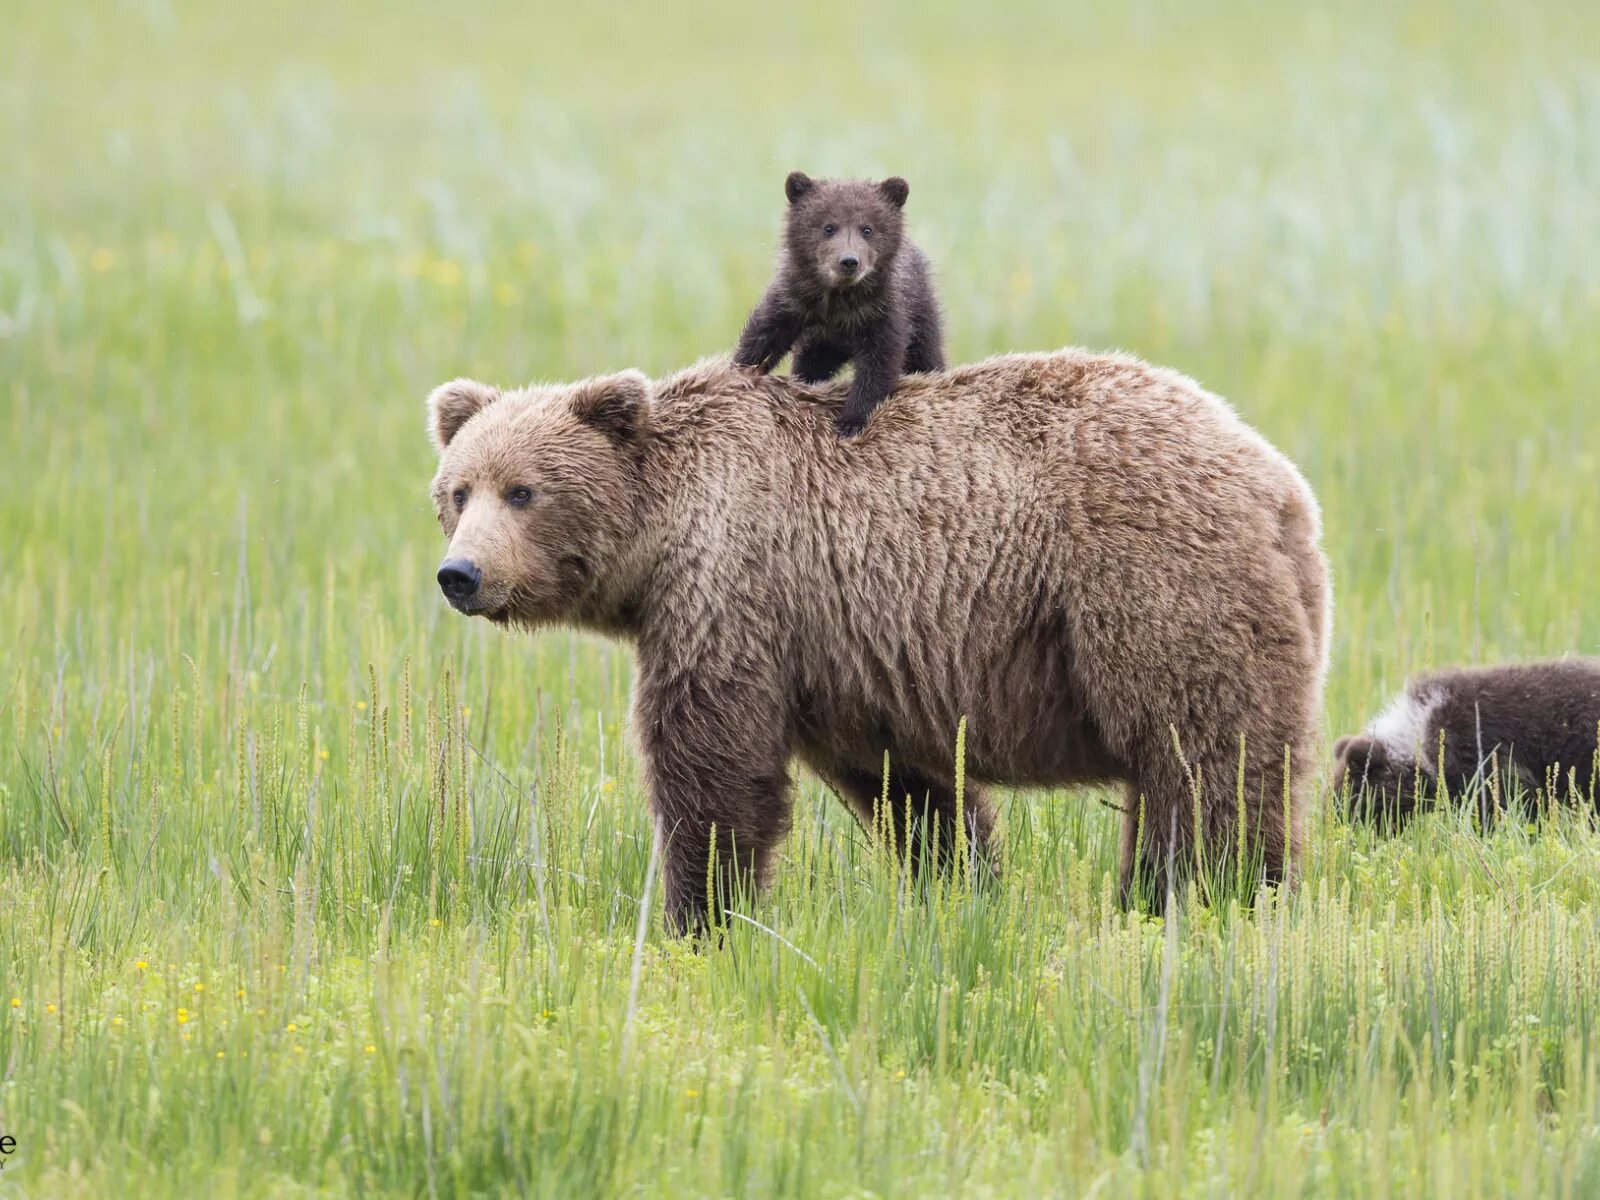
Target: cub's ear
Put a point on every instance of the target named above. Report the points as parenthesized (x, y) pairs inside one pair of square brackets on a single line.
[(895, 190), (797, 185), (1354, 758), (455, 403), (1361, 751), (617, 405)]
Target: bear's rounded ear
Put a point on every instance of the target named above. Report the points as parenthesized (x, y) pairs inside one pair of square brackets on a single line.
[(617, 405), (895, 190), (1360, 753), (797, 185), (451, 405)]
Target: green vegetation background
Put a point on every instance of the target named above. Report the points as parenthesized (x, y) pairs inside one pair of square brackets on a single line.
[(308, 887)]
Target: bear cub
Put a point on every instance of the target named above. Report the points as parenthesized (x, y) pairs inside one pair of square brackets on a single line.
[(850, 288), (1538, 720)]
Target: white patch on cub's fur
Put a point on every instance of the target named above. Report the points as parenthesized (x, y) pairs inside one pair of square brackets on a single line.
[(1402, 728)]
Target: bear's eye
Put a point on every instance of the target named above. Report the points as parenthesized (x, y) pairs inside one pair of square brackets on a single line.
[(519, 496), (829, 229), (866, 231), (459, 498)]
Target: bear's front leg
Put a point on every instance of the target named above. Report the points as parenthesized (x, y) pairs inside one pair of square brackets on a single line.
[(877, 365), (770, 331), (817, 360), (921, 821), (716, 763)]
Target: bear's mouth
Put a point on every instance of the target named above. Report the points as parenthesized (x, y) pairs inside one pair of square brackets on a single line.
[(840, 282), (501, 615)]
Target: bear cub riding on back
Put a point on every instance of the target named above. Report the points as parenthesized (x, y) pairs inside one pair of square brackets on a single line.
[(850, 288)]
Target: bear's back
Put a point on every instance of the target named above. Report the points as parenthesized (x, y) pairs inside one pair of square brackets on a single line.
[(978, 450), (1548, 712)]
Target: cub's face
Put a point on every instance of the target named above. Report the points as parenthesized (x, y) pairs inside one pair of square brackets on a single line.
[(536, 492), (1379, 788), (844, 230)]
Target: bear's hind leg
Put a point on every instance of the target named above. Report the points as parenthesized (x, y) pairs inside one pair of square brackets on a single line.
[(1183, 815), (925, 354), (1157, 847)]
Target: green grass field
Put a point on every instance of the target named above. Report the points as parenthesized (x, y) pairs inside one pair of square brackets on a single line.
[(310, 887)]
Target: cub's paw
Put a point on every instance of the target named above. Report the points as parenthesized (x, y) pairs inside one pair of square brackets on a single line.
[(848, 424), (758, 360)]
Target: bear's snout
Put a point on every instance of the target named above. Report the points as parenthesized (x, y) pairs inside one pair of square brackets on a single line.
[(459, 579), (848, 263)]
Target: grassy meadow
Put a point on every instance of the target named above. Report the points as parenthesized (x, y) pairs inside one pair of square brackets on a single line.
[(309, 887)]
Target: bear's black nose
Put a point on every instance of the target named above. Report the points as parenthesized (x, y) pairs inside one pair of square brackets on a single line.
[(459, 579), (848, 263)]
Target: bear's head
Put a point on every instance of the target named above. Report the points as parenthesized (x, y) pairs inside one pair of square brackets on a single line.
[(843, 231), (538, 493), (1377, 786)]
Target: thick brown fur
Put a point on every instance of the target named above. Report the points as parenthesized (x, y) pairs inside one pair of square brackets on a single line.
[(1508, 731), (880, 315), (1091, 559)]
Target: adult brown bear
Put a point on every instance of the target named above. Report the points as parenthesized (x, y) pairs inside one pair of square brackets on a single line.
[(1091, 559)]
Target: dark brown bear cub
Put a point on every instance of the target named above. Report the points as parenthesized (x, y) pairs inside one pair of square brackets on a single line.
[(1531, 723), (850, 288)]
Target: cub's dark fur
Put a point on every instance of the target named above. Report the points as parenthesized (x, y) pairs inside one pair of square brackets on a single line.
[(1539, 720), (850, 288)]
